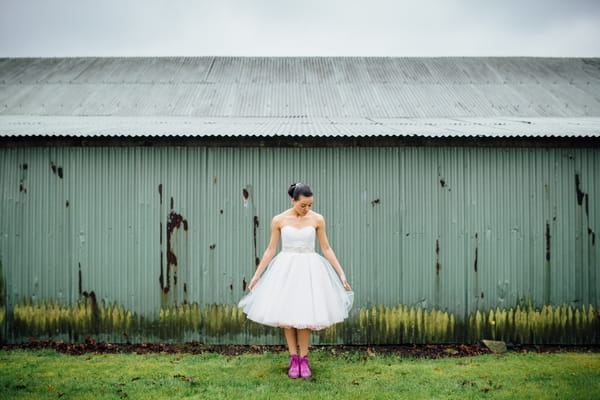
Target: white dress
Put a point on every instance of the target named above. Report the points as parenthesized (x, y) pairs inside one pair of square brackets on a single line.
[(299, 288)]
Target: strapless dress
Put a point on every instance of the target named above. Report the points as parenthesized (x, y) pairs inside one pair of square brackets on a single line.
[(299, 288)]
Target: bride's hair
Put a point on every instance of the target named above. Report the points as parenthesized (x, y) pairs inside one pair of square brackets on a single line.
[(297, 189)]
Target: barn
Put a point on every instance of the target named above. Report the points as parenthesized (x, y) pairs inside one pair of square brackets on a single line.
[(460, 193)]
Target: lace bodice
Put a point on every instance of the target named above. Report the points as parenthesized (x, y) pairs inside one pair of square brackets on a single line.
[(298, 240)]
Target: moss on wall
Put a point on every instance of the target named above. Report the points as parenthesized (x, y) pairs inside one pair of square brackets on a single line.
[(377, 325)]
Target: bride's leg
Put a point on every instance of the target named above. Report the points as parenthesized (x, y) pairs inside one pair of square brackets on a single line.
[(290, 337), (303, 340)]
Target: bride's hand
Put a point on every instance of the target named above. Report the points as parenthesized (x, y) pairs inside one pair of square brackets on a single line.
[(253, 283), (346, 285)]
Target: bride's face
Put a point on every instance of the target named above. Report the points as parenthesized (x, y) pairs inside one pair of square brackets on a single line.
[(303, 205)]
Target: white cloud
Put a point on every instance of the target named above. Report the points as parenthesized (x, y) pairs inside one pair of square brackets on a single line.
[(310, 27)]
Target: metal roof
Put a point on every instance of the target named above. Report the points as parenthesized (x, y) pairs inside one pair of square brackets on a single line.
[(321, 96)]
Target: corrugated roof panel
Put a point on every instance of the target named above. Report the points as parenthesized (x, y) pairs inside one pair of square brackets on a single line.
[(27, 71), (316, 87), (347, 70), (194, 69), (99, 70), (69, 70), (164, 70)]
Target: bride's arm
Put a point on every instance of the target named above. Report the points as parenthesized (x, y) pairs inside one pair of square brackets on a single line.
[(268, 254), (328, 252)]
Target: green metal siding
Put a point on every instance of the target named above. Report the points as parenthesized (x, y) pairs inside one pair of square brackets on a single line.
[(454, 230)]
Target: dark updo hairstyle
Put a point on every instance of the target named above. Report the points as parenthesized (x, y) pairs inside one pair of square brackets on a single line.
[(299, 189)]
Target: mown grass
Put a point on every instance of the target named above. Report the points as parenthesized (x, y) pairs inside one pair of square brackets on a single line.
[(26, 374)]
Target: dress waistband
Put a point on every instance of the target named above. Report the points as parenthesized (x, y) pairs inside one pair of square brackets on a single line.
[(297, 249)]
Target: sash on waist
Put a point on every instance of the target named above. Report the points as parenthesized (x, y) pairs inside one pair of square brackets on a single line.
[(297, 249)]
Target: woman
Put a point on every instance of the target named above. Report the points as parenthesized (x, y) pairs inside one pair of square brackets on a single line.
[(299, 291)]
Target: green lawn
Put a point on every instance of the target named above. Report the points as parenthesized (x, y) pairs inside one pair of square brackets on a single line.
[(26, 374)]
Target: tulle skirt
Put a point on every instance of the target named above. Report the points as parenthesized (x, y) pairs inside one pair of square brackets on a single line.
[(299, 290)]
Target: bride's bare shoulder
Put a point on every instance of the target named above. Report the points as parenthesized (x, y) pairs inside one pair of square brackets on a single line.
[(279, 219), (318, 218)]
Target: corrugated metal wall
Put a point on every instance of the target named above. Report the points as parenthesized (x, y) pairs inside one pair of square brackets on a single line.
[(128, 232)]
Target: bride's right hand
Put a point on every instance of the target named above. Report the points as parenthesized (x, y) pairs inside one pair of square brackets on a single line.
[(346, 285)]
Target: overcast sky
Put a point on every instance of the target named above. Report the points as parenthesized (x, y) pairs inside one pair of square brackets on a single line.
[(550, 28)]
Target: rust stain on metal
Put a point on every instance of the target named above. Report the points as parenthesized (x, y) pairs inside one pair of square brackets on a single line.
[(80, 290), (548, 281), (255, 231), (437, 257), (56, 169), (547, 242), (95, 312), (22, 187), (580, 193), (176, 221), (94, 302), (162, 257), (161, 277), (476, 251)]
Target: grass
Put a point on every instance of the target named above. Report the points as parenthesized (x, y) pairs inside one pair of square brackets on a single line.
[(46, 374)]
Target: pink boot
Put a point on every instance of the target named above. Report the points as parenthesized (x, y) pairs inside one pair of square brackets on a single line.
[(305, 371), (294, 371)]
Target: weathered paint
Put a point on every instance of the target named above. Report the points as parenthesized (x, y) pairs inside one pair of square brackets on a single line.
[(458, 230)]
